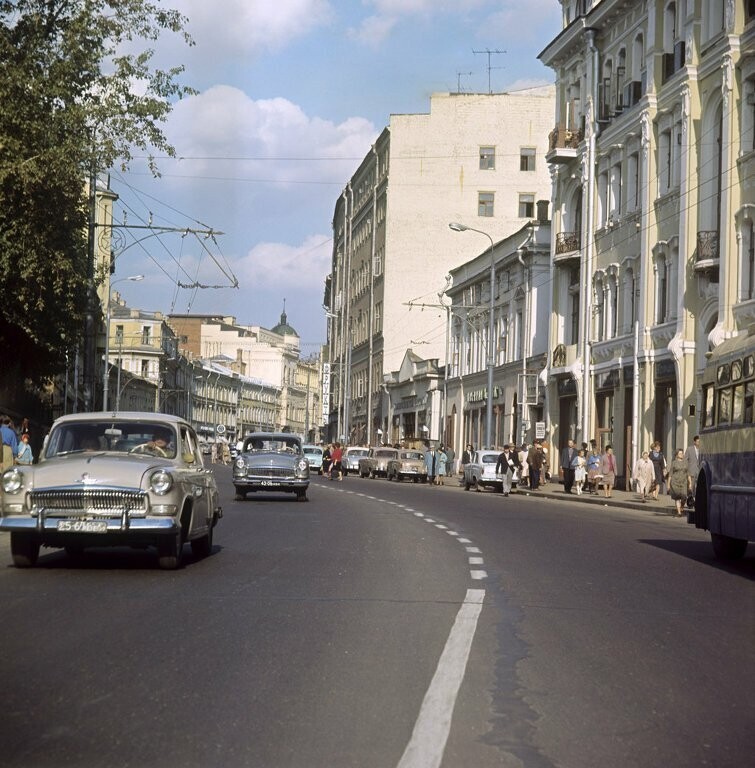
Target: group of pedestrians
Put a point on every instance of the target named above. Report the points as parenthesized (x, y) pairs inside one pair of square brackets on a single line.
[(16, 448), (332, 461), (653, 475), (587, 470), (439, 463)]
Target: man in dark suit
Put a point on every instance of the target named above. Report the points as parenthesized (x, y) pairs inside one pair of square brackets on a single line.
[(567, 456)]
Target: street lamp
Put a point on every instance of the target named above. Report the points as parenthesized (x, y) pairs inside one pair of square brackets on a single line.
[(106, 382), (491, 325)]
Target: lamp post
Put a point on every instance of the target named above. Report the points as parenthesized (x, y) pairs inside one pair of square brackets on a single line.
[(106, 380), (491, 325)]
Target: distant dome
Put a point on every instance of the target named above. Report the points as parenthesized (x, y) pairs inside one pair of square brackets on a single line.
[(283, 328)]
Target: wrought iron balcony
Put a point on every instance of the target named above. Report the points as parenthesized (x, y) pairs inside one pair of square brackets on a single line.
[(708, 254), (567, 242)]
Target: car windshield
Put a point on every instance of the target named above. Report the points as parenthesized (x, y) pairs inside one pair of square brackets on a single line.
[(357, 452), (412, 455), (489, 458), (385, 454), (268, 444), (137, 437), (315, 451)]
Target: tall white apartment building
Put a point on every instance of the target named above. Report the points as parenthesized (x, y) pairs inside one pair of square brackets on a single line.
[(653, 159), (476, 159)]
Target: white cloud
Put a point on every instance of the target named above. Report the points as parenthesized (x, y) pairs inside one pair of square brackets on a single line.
[(279, 139), (251, 26), (278, 267)]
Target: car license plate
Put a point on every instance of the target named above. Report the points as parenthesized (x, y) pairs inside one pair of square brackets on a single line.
[(82, 526), (270, 482)]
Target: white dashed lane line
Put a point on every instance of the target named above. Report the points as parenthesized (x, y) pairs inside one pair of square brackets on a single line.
[(430, 734)]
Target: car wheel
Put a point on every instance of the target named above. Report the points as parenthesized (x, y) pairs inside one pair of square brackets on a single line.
[(169, 551), (240, 495), (24, 548), (301, 495), (202, 547), (728, 548), (467, 484)]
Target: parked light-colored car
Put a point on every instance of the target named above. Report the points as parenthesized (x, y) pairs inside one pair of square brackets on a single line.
[(375, 464), (480, 472), (408, 464), (351, 456), (271, 462), (135, 479)]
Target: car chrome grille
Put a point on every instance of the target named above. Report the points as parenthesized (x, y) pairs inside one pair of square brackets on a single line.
[(87, 501), (270, 472)]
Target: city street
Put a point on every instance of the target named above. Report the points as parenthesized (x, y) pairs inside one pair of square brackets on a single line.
[(347, 631)]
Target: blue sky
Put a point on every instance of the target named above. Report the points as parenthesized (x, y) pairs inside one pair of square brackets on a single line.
[(291, 94)]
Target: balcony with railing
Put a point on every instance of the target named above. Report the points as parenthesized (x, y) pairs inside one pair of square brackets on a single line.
[(567, 244), (707, 255), (563, 143)]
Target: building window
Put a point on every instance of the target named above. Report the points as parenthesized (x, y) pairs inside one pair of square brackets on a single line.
[(527, 159), (526, 206), (616, 189), (145, 335), (145, 369), (119, 334), (661, 285), (487, 158), (664, 162), (633, 182), (485, 201)]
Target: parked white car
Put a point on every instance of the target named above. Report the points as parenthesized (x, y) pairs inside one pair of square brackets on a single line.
[(480, 472)]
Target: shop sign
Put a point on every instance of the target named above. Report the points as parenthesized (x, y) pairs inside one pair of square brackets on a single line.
[(478, 395)]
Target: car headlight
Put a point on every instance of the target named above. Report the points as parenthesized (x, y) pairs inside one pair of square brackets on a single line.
[(240, 462), (302, 465), (161, 482), (13, 479)]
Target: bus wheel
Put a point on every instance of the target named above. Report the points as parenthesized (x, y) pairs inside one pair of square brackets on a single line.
[(727, 548)]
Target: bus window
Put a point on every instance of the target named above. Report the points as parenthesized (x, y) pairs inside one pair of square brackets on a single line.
[(724, 406), (708, 406), (736, 370), (723, 375), (737, 411), (749, 366), (749, 397)]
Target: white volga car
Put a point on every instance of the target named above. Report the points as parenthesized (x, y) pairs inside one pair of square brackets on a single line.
[(133, 479)]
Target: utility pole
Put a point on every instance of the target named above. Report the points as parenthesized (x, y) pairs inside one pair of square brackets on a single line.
[(489, 53)]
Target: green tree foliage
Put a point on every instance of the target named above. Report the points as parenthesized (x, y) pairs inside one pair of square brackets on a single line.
[(78, 91)]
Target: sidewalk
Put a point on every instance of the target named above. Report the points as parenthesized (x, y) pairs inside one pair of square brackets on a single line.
[(555, 491)]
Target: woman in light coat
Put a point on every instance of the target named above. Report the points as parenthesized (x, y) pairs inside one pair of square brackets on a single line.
[(643, 475), (608, 470)]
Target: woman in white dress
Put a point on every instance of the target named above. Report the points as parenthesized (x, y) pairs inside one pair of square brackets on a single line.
[(579, 464)]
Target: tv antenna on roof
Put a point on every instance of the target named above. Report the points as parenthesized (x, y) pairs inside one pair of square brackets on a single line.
[(458, 79), (489, 54)]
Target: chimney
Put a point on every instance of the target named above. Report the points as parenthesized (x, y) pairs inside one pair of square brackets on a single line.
[(542, 210)]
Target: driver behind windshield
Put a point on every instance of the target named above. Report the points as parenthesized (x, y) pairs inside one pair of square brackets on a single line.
[(159, 445)]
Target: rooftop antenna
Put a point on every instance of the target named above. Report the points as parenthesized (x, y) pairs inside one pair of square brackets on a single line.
[(458, 79), (489, 54)]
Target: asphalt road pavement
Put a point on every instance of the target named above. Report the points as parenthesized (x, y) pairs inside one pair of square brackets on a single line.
[(387, 625)]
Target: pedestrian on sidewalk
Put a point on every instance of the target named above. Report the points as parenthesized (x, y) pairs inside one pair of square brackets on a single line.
[(9, 443), (659, 465), (579, 464), (692, 457), (568, 455), (506, 466), (608, 470), (442, 461), (535, 460), (643, 475), (431, 463), (524, 472), (593, 468), (24, 454), (679, 481), (336, 469)]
